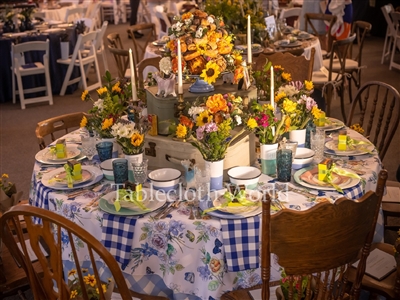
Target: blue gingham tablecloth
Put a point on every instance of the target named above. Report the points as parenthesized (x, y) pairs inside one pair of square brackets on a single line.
[(117, 236)]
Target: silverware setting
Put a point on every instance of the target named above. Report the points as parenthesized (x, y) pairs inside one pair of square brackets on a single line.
[(173, 206), (96, 188), (96, 199)]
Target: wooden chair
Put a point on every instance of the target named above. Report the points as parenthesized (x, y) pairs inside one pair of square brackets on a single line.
[(50, 126), (36, 67), (298, 66), (148, 62), (149, 31), (325, 38), (377, 105), (323, 240), (332, 82), (121, 57), (353, 65), (49, 234)]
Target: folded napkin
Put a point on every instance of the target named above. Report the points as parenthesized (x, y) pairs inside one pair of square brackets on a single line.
[(117, 236), (241, 242)]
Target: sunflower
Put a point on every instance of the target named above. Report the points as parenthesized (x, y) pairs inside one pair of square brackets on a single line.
[(287, 76), (181, 131), (137, 139), (83, 122), (309, 85), (74, 293), (211, 72), (90, 280), (85, 95), (116, 88), (102, 90), (203, 119), (107, 123)]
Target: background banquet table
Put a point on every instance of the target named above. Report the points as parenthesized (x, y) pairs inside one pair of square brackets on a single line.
[(182, 258), (153, 51), (57, 71)]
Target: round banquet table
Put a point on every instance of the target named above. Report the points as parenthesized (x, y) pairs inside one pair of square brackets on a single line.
[(182, 258), (57, 71)]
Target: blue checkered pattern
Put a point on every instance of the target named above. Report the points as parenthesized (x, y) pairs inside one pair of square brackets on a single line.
[(241, 241), (117, 235), (354, 192), (42, 198)]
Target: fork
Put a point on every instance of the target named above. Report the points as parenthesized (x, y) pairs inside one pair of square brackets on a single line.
[(174, 205)]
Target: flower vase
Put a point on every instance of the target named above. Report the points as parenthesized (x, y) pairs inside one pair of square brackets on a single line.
[(133, 158), (268, 158), (298, 136), (8, 26), (64, 46), (115, 145), (216, 174), (7, 201)]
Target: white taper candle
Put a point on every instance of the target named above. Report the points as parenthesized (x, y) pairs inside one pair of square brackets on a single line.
[(249, 53), (180, 84), (133, 79)]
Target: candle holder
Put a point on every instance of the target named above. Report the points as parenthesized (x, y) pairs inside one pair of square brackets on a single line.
[(179, 107)]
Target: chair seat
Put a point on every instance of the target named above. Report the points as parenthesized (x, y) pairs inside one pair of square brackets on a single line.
[(349, 66), (38, 69), (386, 284), (320, 78)]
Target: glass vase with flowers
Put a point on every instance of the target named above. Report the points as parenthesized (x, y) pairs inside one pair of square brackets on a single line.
[(206, 46)]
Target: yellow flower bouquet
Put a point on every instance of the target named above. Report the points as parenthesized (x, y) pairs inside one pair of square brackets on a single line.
[(111, 105), (209, 125), (206, 47)]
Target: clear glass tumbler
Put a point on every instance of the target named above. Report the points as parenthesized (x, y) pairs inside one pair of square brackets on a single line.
[(317, 140), (89, 147), (202, 175)]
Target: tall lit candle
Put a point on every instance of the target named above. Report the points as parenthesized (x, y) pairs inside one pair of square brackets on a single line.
[(133, 79), (249, 54), (272, 88), (180, 84)]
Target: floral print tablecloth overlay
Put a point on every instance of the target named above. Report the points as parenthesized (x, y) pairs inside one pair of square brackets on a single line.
[(182, 258)]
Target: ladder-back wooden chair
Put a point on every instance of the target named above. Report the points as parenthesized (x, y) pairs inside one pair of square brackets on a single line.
[(46, 241), (148, 62), (390, 31), (376, 107), (149, 32), (325, 38), (298, 66), (50, 126), (318, 244)]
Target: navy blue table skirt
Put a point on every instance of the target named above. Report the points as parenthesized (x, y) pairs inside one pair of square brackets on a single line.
[(57, 71)]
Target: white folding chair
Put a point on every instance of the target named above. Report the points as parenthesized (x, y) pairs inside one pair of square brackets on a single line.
[(390, 31), (71, 14), (291, 12), (93, 12), (83, 59), (20, 69), (395, 16), (164, 23), (99, 46)]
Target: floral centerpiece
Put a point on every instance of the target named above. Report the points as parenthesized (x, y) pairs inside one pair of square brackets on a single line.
[(262, 80), (235, 13), (295, 102), (206, 47), (209, 124), (111, 105), (91, 286)]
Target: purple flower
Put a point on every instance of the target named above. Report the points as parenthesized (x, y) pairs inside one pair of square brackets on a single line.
[(148, 251), (159, 241), (310, 102), (204, 272), (200, 133), (297, 84), (210, 127), (176, 227)]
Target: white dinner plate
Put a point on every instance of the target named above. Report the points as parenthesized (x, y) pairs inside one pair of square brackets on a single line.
[(332, 124), (319, 185), (14, 35), (46, 157), (96, 172), (255, 48), (160, 42), (209, 203), (360, 149), (153, 200), (53, 30), (61, 179)]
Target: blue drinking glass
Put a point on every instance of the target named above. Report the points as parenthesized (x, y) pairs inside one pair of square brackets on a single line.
[(120, 170), (104, 149), (284, 165)]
